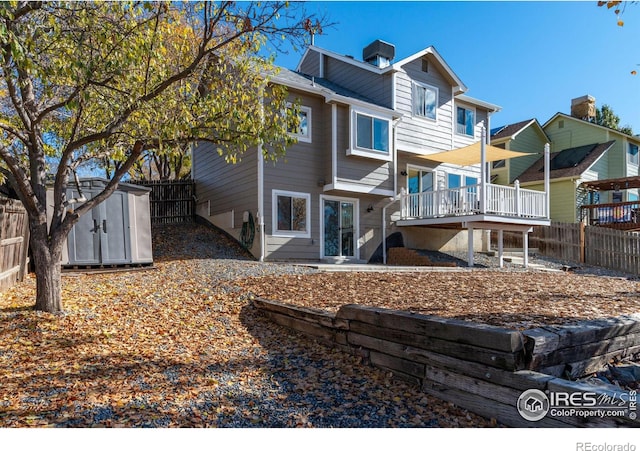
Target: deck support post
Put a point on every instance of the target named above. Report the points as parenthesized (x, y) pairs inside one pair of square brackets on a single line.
[(483, 172), (547, 182), (525, 248), (470, 240), (501, 247)]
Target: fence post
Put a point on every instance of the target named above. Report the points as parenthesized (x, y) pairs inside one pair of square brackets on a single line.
[(582, 246)]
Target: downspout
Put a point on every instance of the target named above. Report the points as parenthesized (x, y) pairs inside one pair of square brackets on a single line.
[(261, 201), (395, 154), (395, 190), (261, 191), (334, 144), (393, 90), (453, 117)]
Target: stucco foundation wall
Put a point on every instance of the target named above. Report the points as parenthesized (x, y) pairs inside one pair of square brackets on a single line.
[(443, 240)]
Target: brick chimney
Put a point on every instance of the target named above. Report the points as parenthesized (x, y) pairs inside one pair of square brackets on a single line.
[(584, 107)]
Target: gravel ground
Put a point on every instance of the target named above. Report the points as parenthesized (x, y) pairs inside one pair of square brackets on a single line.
[(483, 260), (181, 346)]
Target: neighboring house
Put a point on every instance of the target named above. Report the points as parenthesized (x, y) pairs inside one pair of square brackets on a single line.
[(527, 137), (368, 129), (581, 151), (568, 168)]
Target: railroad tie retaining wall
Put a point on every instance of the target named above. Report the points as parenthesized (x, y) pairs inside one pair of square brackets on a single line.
[(481, 368)]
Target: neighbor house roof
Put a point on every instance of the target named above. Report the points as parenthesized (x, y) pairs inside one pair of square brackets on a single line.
[(636, 138), (511, 131), (571, 162)]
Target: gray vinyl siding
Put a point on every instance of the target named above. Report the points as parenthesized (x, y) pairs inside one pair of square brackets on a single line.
[(527, 141), (417, 132), (302, 170), (228, 186), (367, 172), (225, 186), (370, 236), (310, 65), (373, 86)]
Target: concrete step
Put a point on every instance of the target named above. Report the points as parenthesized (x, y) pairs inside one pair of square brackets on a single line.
[(520, 261)]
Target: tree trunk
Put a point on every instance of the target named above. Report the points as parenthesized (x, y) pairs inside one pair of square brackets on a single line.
[(46, 259)]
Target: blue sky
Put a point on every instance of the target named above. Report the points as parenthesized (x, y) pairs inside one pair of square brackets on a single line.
[(531, 58)]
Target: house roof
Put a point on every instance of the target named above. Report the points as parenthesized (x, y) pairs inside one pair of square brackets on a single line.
[(431, 51), (322, 86), (571, 162), (481, 103), (567, 116)]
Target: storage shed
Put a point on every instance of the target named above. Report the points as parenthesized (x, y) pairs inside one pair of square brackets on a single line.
[(115, 232)]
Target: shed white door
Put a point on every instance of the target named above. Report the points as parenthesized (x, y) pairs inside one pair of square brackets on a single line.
[(101, 236)]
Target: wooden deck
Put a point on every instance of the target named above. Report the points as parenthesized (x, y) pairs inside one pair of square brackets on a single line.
[(500, 207), (618, 215)]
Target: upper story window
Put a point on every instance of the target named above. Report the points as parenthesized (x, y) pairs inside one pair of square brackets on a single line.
[(291, 213), (425, 100), (632, 154), (370, 135), (301, 130), (465, 121)]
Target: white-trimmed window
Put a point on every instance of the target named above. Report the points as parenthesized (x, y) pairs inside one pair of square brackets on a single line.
[(370, 135), (302, 131), (424, 100), (291, 214), (632, 154), (465, 121)]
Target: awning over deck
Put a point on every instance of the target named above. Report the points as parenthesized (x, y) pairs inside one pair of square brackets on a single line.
[(470, 155)]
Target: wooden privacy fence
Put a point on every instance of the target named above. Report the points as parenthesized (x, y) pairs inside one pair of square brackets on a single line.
[(172, 201), (14, 242), (592, 245)]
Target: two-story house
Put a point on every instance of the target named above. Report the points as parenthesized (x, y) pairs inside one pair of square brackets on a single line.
[(582, 152), (360, 169)]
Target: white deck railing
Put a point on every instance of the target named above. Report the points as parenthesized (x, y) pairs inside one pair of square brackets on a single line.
[(467, 200)]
